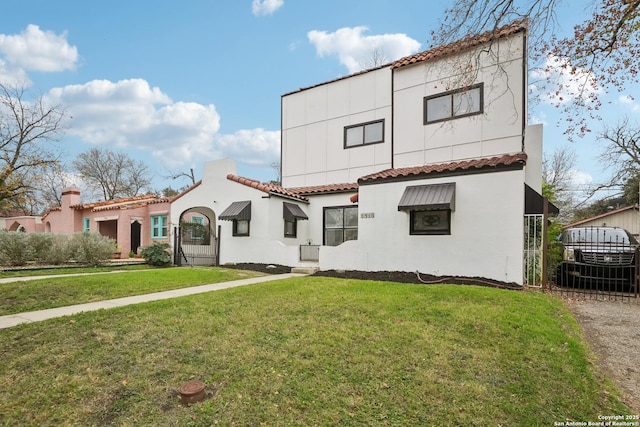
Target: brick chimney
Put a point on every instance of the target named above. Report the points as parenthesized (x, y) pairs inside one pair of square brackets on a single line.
[(70, 197)]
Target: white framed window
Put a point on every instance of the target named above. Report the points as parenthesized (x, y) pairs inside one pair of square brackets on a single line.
[(364, 134), (454, 104)]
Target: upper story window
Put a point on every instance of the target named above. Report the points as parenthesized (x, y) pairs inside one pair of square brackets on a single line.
[(454, 104), (363, 134)]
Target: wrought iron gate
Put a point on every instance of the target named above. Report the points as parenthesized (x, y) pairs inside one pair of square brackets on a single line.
[(615, 277), (195, 246)]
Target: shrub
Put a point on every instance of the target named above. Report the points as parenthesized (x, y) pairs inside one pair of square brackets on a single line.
[(14, 249), (157, 254), (91, 248), (40, 244), (60, 251)]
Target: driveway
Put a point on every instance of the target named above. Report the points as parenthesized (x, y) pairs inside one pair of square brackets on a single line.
[(612, 329)]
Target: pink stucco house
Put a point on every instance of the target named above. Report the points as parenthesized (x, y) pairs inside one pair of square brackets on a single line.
[(19, 222), (133, 222)]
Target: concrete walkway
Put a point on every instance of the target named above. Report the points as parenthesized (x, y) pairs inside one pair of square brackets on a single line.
[(36, 316)]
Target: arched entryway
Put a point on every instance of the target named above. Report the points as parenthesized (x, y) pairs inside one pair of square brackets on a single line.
[(195, 241)]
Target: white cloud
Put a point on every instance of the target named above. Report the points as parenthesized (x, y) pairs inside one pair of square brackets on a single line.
[(540, 118), (579, 179), (630, 102), (37, 50), (129, 114), (257, 147), (559, 84), (355, 50), (265, 7), (13, 76)]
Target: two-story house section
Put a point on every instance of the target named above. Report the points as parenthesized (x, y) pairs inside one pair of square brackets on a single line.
[(424, 164), (461, 101), (337, 131)]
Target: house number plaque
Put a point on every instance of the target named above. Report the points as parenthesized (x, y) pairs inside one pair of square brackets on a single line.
[(367, 215)]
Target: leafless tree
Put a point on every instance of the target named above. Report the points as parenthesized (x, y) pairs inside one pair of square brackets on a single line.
[(557, 176), (621, 153), (114, 174), (176, 175), (28, 129), (603, 51)]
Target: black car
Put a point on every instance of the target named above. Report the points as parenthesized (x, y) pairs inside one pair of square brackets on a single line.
[(597, 256)]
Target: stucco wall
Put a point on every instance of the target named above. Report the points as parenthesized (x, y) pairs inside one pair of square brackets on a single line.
[(486, 231), (498, 130), (266, 242), (313, 122)]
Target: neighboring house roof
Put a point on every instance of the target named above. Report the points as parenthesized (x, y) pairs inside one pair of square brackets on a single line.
[(463, 44), (125, 203), (507, 161), (604, 215), (439, 51), (53, 209)]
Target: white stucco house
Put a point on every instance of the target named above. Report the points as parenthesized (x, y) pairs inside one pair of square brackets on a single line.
[(425, 164)]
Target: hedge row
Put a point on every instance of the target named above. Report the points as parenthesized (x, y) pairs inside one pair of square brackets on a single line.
[(18, 248)]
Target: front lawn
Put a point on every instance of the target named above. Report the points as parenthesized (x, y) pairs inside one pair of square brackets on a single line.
[(309, 351), (21, 296)]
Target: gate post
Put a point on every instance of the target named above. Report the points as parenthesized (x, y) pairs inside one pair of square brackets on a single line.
[(545, 252), (176, 247), (636, 274)]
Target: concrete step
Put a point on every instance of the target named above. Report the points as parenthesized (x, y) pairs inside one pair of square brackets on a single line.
[(304, 270)]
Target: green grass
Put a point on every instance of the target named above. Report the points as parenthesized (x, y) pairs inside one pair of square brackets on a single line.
[(22, 272), (309, 351), (22, 296)]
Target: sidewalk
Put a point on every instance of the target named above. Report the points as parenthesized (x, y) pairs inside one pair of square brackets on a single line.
[(36, 316)]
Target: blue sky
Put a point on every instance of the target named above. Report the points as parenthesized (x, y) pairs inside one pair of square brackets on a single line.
[(177, 84)]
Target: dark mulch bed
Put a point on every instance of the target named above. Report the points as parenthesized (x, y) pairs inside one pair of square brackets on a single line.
[(263, 268), (388, 276)]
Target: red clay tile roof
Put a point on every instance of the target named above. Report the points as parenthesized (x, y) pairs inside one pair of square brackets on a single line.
[(453, 167), (463, 44), (323, 189), (438, 52), (177, 196), (266, 187), (295, 192), (125, 203)]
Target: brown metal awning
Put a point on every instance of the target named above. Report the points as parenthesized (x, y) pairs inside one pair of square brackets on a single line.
[(428, 197), (534, 203), (237, 210), (291, 212)]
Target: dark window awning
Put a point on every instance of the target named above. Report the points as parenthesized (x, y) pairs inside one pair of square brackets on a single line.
[(237, 210), (429, 197), (291, 212), (534, 203)]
